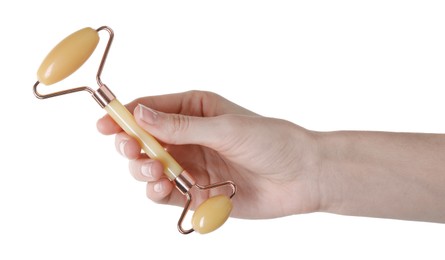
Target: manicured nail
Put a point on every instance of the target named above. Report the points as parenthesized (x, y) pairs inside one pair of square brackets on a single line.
[(146, 170), (147, 114), (158, 187), (122, 147)]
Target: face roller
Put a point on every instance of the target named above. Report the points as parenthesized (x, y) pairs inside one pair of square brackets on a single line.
[(66, 58)]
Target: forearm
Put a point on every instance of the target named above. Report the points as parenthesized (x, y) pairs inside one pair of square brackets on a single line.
[(388, 175)]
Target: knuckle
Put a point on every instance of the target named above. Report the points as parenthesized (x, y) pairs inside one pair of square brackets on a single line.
[(179, 124)]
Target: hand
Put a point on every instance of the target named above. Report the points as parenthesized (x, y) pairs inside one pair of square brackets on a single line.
[(273, 162)]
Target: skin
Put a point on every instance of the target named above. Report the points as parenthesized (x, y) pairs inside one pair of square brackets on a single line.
[(279, 164)]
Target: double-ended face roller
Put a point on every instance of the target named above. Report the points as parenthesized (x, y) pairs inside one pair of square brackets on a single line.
[(69, 55)]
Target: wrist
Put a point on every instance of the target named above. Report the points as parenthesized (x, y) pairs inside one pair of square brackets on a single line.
[(381, 174), (333, 149)]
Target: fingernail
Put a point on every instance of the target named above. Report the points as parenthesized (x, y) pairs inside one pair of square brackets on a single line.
[(158, 187), (122, 147), (146, 170), (147, 114)]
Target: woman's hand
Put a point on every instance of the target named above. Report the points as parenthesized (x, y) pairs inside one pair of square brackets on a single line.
[(273, 162)]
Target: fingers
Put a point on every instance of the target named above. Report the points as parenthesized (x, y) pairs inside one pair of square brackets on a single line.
[(127, 146), (180, 129), (192, 103), (159, 191), (107, 126), (171, 103), (146, 170), (159, 188)]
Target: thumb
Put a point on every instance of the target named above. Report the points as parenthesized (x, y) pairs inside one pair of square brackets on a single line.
[(181, 129)]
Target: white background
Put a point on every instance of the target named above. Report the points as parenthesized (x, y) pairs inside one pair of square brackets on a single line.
[(65, 193)]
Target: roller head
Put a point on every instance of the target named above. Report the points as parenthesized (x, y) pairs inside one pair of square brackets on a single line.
[(211, 214), (69, 55)]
